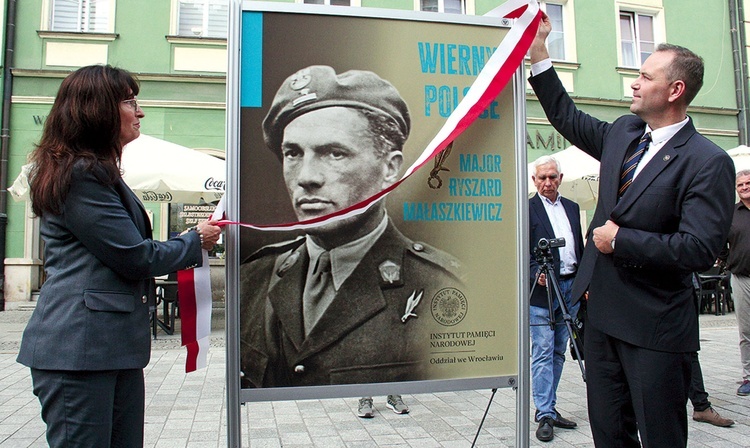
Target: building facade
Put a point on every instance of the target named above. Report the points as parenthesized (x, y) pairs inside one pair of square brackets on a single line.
[(177, 48)]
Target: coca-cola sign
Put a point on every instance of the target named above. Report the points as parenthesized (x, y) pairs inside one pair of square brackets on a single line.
[(214, 184), (153, 196)]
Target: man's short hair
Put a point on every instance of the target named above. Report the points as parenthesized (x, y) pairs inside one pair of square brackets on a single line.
[(318, 86), (686, 66), (384, 132), (741, 173), (544, 160)]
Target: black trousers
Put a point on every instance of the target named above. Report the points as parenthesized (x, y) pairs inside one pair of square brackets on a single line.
[(698, 395), (635, 391), (92, 408)]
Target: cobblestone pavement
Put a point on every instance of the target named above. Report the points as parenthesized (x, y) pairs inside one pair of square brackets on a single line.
[(190, 410)]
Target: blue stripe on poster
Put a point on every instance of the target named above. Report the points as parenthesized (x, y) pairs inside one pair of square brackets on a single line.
[(251, 63)]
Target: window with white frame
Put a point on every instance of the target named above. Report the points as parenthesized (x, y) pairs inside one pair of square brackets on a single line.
[(556, 38), (80, 16), (202, 18), (329, 2), (447, 6), (636, 37)]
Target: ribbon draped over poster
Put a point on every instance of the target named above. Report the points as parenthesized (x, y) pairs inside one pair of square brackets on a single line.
[(489, 83)]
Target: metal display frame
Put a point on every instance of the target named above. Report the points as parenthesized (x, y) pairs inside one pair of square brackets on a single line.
[(236, 396)]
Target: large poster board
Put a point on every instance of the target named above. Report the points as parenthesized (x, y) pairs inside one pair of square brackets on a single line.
[(423, 288)]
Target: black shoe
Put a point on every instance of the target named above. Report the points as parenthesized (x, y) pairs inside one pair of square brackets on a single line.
[(562, 422), (545, 432)]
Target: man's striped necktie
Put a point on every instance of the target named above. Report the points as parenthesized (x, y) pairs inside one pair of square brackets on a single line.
[(628, 168)]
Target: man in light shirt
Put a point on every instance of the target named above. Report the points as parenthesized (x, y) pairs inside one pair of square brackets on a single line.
[(551, 216)]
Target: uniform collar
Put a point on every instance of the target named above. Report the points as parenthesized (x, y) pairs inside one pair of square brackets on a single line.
[(346, 258)]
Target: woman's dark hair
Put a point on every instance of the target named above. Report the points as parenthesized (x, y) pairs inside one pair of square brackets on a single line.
[(83, 125)]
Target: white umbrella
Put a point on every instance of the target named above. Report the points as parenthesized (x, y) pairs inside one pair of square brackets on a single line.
[(580, 182), (159, 171), (741, 157)]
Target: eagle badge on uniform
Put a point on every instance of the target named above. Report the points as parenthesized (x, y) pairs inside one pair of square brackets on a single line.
[(300, 81)]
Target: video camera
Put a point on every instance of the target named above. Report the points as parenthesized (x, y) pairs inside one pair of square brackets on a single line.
[(542, 251), (544, 243)]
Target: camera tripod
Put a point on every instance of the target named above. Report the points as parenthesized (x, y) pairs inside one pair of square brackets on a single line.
[(543, 256)]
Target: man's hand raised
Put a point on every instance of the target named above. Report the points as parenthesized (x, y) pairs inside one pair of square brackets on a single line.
[(538, 50)]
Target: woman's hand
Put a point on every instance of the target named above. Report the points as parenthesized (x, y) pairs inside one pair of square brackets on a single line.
[(209, 232)]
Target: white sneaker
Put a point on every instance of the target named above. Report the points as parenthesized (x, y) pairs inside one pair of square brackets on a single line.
[(396, 404), (365, 408)]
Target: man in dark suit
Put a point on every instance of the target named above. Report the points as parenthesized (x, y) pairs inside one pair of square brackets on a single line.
[(349, 301), (551, 216), (646, 238)]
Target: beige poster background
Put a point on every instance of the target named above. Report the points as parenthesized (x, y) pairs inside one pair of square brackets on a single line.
[(474, 214)]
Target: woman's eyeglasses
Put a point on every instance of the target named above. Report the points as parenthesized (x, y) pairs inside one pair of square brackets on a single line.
[(133, 102)]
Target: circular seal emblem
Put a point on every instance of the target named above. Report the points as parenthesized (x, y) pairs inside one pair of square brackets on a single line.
[(449, 306)]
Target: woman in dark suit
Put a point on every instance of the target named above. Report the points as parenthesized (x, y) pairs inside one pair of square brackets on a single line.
[(88, 339)]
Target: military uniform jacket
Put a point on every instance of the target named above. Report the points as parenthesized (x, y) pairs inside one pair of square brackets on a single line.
[(100, 260), (361, 337), (673, 220)]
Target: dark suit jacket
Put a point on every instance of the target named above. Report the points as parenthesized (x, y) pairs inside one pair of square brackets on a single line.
[(673, 220), (361, 337), (93, 309), (541, 227)]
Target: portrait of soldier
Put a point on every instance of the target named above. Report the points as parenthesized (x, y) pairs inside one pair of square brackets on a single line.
[(349, 301)]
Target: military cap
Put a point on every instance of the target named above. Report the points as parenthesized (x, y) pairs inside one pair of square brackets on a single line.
[(318, 86)]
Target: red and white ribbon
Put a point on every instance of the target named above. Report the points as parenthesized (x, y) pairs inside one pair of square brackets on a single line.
[(196, 301), (492, 79)]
